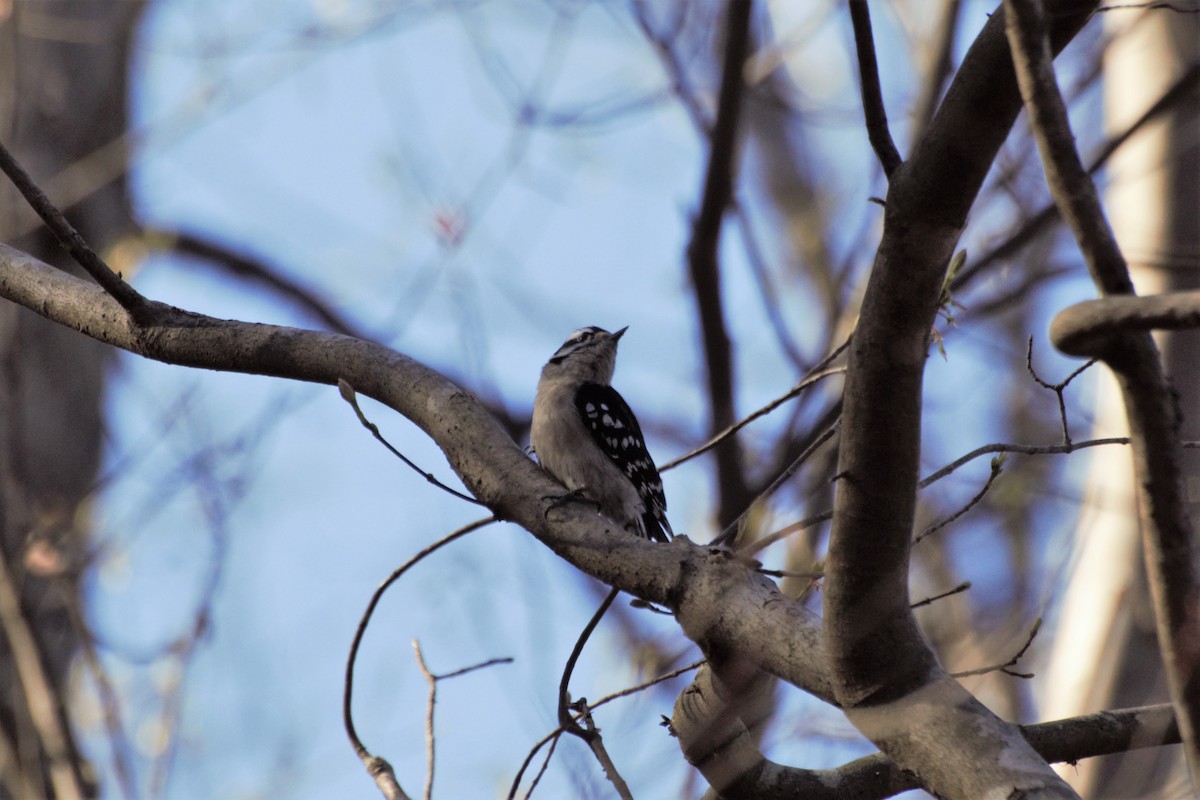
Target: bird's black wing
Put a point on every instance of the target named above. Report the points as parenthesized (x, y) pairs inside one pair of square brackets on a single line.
[(615, 430)]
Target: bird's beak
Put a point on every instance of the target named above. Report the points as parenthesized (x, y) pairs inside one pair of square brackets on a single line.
[(618, 334)]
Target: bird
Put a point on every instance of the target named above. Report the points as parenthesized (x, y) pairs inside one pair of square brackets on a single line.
[(587, 437)]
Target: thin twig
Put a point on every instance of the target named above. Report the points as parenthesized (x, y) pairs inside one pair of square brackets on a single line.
[(761, 544), (997, 467), (349, 395), (1023, 449), (553, 736), (564, 715), (596, 743), (138, 307), (962, 587), (431, 701), (1012, 662), (641, 687), (1057, 388), (110, 703), (588, 732), (379, 768), (732, 529), (872, 96), (42, 700), (808, 380), (812, 575)]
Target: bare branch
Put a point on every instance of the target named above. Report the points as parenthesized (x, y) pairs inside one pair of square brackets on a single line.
[(872, 95), (880, 663), (732, 530), (1023, 449), (554, 735), (928, 601), (751, 548), (379, 769), (1083, 328), (565, 722), (430, 702), (1012, 662), (1057, 388), (1150, 405), (348, 394), (719, 746), (71, 241), (703, 260), (818, 374), (42, 697), (432, 680), (997, 467), (253, 269)]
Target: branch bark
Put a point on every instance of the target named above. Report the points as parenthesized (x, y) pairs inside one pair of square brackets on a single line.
[(704, 262), (717, 743), (885, 675), (718, 600), (872, 95), (1129, 350)]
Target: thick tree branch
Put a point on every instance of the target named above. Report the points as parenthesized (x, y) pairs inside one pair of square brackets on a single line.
[(719, 745), (1132, 355), (1177, 93), (1085, 327), (718, 600), (704, 262), (939, 66), (886, 677)]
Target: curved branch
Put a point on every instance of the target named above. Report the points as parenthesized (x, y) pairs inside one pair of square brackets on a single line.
[(703, 260), (887, 679), (718, 600), (719, 745), (1150, 404), (872, 95), (1087, 327), (250, 268), (70, 239)]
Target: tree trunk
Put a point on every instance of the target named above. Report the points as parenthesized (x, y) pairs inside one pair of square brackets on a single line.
[(63, 98)]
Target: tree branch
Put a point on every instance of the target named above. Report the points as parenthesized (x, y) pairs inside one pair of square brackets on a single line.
[(780, 634), (252, 269), (70, 239), (1131, 353), (703, 259), (1085, 327), (885, 676), (872, 96), (718, 744)]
